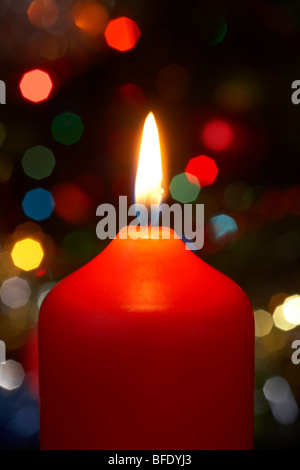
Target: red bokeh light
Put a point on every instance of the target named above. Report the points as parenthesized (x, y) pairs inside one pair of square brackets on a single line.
[(43, 13), (36, 85), (217, 135), (91, 185), (273, 205), (129, 98), (122, 34), (72, 204), (204, 168), (293, 199)]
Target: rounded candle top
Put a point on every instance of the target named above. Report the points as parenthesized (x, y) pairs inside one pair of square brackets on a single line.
[(147, 274)]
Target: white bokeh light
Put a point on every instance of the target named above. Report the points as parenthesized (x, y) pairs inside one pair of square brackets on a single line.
[(11, 375), (291, 309), (15, 292)]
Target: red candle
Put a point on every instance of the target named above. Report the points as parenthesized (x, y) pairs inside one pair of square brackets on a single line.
[(146, 347)]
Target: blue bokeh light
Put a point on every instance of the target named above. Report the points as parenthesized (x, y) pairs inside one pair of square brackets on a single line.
[(222, 225), (38, 204)]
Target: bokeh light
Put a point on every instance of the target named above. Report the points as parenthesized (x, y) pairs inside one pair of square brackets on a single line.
[(184, 188), (286, 411), (273, 204), (292, 197), (15, 292), (38, 204), (222, 226), (291, 309), (36, 85), (128, 100), (11, 375), (38, 162), (122, 34), (281, 400), (220, 33), (27, 254), (6, 168), (72, 203), (91, 17), (204, 168), (263, 323), (239, 94), (79, 246), (276, 300), (276, 389), (217, 135), (274, 342), (280, 321), (43, 13), (238, 195), (53, 47), (67, 128), (173, 81), (25, 422)]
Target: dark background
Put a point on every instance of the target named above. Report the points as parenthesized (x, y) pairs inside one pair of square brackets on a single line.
[(195, 62)]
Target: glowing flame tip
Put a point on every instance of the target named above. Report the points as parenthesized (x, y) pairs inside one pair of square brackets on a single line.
[(149, 174)]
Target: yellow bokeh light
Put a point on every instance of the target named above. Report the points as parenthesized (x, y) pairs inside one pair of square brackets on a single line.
[(291, 309), (27, 254), (263, 323), (280, 321)]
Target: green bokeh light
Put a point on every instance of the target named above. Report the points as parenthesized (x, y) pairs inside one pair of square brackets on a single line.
[(234, 195), (38, 162), (184, 189), (67, 128), (78, 246), (220, 33)]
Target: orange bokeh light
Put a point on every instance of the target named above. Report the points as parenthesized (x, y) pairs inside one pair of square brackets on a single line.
[(43, 13), (122, 34), (91, 17), (217, 135), (36, 85)]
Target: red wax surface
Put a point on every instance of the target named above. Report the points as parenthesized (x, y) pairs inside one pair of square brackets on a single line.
[(146, 347)]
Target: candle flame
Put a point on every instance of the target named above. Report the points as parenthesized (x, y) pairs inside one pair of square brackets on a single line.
[(149, 173)]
